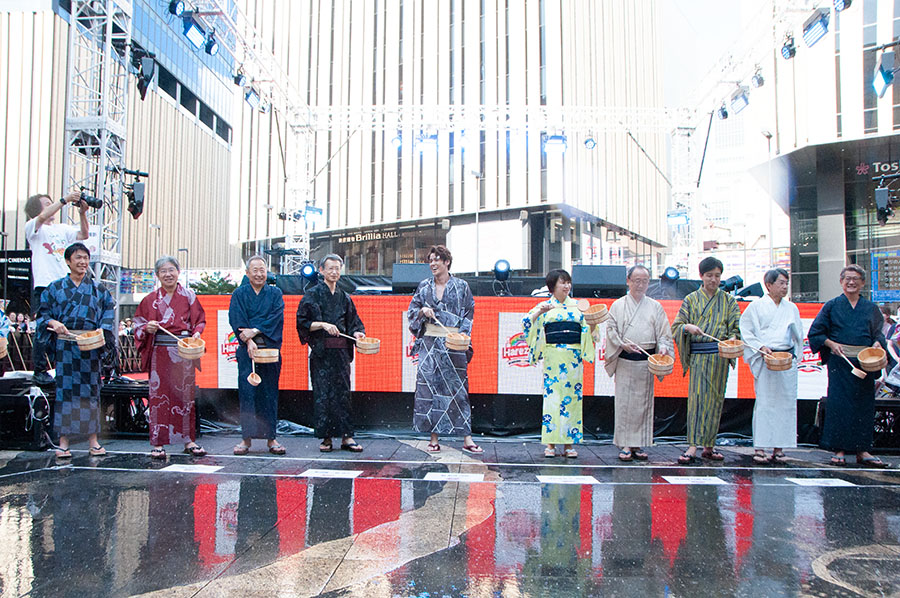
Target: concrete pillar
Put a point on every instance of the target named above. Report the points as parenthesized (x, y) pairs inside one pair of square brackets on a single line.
[(832, 238)]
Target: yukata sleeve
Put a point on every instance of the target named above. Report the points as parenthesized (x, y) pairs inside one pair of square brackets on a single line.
[(587, 340), (681, 338), (819, 331), (467, 317), (198, 316), (353, 321), (414, 313), (534, 334), (307, 313)]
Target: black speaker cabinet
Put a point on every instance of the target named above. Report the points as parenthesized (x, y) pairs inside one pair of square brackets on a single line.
[(598, 281), (406, 277), (21, 426)]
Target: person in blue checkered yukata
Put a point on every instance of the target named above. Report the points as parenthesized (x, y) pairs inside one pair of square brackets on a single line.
[(69, 306)]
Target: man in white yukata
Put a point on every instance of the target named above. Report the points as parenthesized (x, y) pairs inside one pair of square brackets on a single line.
[(772, 324), (637, 322)]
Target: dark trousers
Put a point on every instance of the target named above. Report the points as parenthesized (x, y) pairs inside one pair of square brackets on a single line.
[(38, 349)]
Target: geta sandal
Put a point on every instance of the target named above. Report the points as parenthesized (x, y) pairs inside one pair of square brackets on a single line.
[(760, 458), (195, 451), (434, 448), (325, 447), (549, 452), (713, 455), (277, 449), (97, 451), (625, 455), (473, 448), (571, 454), (241, 449), (157, 453), (353, 447), (873, 462), (640, 455), (687, 459), (63, 454)]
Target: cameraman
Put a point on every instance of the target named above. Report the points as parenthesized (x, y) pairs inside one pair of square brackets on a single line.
[(48, 240)]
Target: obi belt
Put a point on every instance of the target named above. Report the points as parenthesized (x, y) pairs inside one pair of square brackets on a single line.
[(562, 333)]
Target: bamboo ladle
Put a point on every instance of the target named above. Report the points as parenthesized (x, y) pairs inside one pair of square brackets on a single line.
[(855, 370), (718, 340)]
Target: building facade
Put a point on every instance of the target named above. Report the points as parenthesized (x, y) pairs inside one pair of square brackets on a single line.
[(515, 130)]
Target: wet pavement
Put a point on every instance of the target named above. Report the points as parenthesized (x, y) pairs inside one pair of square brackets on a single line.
[(397, 521)]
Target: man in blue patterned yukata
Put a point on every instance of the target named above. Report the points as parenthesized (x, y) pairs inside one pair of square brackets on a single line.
[(69, 306)]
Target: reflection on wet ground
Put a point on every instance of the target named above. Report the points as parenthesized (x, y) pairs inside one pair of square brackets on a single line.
[(396, 521)]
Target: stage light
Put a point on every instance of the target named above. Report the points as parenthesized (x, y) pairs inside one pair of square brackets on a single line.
[(788, 50), (590, 143), (670, 274), (840, 5), (193, 32), (884, 73), (556, 144), (739, 100), (240, 79), (212, 46), (252, 98), (136, 199), (731, 284), (757, 79), (176, 7), (397, 141), (501, 270), (308, 271), (816, 26), (722, 112)]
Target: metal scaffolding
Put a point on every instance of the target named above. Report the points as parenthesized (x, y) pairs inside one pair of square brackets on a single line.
[(96, 123)]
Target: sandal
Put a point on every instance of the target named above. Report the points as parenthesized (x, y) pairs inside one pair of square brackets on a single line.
[(353, 447), (434, 448), (640, 455), (277, 449), (157, 453), (625, 455), (549, 452), (873, 462), (63, 454), (687, 459), (195, 451), (325, 447), (838, 461), (713, 455), (571, 454), (97, 451), (760, 458), (473, 448), (779, 458), (241, 449)]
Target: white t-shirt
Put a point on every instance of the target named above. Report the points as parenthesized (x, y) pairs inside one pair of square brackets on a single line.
[(48, 246)]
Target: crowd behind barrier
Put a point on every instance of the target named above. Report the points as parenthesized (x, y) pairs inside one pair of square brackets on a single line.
[(21, 344)]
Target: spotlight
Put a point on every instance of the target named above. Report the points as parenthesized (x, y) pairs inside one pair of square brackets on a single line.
[(739, 100), (176, 7), (884, 73), (252, 98), (556, 144), (282, 215), (815, 27), (397, 141), (757, 80), (590, 143), (501, 270), (722, 111), (193, 32), (883, 205), (308, 271), (212, 46), (731, 284), (670, 274), (240, 79), (135, 196), (788, 50), (840, 5)]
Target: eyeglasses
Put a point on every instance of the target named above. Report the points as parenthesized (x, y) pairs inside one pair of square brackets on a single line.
[(853, 278)]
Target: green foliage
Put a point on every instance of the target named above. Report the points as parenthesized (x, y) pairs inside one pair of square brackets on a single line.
[(214, 284)]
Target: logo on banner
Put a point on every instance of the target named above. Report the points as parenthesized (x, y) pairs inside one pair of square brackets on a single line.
[(409, 351), (228, 349), (810, 361), (515, 352)]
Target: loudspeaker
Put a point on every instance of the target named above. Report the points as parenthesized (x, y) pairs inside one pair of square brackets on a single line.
[(598, 281), (406, 277)]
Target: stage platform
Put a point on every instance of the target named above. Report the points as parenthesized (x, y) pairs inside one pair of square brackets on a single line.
[(397, 521)]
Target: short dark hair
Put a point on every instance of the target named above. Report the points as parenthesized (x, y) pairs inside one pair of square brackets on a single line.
[(853, 268), (554, 276), (637, 267), (33, 205), (442, 254), (71, 249), (772, 275), (710, 263), (886, 310)]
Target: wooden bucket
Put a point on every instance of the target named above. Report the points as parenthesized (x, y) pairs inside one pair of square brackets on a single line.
[(3, 347), (596, 314), (872, 359), (731, 349), (266, 356), (660, 365), (457, 341), (191, 348), (779, 361), (90, 340), (368, 345)]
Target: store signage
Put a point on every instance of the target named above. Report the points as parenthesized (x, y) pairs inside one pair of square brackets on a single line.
[(370, 236), (877, 168)]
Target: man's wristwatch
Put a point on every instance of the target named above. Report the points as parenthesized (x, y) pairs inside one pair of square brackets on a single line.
[(62, 201)]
